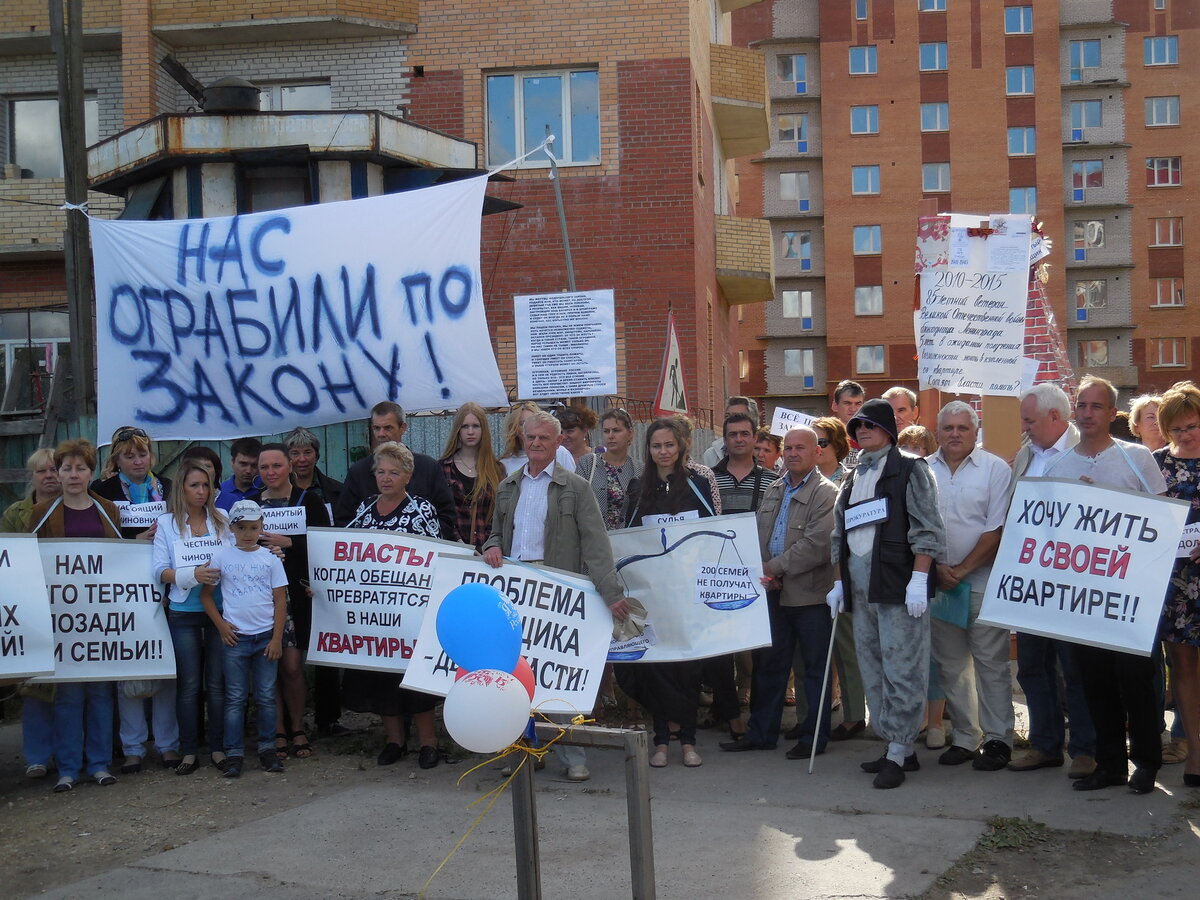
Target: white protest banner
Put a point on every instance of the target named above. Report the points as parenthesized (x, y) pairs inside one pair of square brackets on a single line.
[(565, 631), (140, 515), (699, 582), (370, 592), (1084, 563), (217, 328), (26, 641), (783, 420), (566, 344), (1188, 541), (284, 520), (106, 611)]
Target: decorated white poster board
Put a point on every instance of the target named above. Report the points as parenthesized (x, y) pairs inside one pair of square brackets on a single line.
[(784, 420), (26, 641), (566, 344)]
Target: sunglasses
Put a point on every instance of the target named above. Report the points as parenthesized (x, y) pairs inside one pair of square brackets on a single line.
[(822, 442), (863, 423), (128, 434)]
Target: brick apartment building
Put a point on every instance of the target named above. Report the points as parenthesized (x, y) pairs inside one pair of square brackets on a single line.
[(648, 100), (1077, 111)]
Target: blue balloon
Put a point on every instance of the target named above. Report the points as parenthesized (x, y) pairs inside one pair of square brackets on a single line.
[(479, 629)]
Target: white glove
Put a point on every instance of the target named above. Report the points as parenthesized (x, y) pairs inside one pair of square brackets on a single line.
[(916, 594), (835, 600)]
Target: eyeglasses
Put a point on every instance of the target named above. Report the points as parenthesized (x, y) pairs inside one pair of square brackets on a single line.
[(822, 442), (128, 434), (1186, 429)]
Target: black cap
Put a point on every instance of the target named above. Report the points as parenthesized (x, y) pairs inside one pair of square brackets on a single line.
[(878, 412)]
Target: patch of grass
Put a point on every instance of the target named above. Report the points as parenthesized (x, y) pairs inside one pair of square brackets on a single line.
[(1013, 834)]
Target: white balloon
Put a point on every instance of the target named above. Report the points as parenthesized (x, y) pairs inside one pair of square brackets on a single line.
[(486, 710)]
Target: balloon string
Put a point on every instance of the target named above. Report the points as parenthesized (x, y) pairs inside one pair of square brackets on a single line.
[(525, 751)]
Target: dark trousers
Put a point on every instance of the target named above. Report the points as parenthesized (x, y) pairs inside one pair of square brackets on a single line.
[(1120, 686), (717, 673), (809, 628)]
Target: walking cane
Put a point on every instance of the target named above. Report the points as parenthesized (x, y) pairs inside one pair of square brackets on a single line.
[(824, 686)]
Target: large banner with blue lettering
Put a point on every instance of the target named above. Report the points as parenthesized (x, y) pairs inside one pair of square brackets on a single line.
[(253, 324)]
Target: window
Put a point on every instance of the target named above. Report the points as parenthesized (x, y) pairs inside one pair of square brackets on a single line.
[(1170, 352), (868, 300), (1086, 173), (793, 70), (935, 116), (1093, 354), (1160, 4), (1085, 114), (864, 180), (868, 360), (1084, 55), (1022, 200), (799, 305), (793, 187), (863, 60), (36, 138), (1160, 51), (931, 6), (273, 187), (743, 365), (1018, 80), (1087, 235), (868, 240), (935, 177), (522, 105), (1167, 292), (1090, 295), (1162, 111), (1022, 141), (794, 129), (864, 120), (1018, 20), (1163, 171), (932, 57), (31, 344), (284, 97), (860, 9), (1166, 232), (798, 245), (799, 364)]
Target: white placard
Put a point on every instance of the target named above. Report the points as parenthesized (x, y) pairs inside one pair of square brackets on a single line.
[(1084, 563), (26, 641), (1008, 247), (107, 611), (1188, 541), (565, 628), (664, 518), (566, 344), (140, 515), (284, 520), (784, 419), (253, 324)]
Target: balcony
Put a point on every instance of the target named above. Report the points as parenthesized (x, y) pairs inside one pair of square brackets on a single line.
[(739, 100), (745, 267)]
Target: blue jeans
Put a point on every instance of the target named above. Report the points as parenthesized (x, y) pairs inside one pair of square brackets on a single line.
[(199, 662), (810, 628), (37, 731), (1037, 661), (77, 705), (247, 662)]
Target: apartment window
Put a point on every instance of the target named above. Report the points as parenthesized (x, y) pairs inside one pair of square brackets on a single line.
[(36, 138), (794, 129), (1018, 80), (1169, 352), (1022, 200), (1168, 292), (798, 245), (793, 187), (1087, 235), (285, 97), (864, 180), (1160, 51), (1084, 55), (933, 57), (1160, 4), (864, 120), (935, 177), (799, 305), (1022, 141), (931, 5), (935, 116), (743, 365), (868, 300), (800, 364), (863, 60), (793, 70), (1166, 232), (1093, 354), (1018, 20), (868, 360), (1085, 173), (1085, 114), (522, 105), (1163, 171), (868, 240), (1090, 295), (860, 9), (1162, 111)]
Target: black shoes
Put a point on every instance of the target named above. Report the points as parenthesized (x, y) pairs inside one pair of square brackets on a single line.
[(803, 750), (956, 756), (391, 753), (1100, 779), (428, 757), (1142, 781), (270, 762), (232, 767), (874, 766), (994, 757), (890, 775)]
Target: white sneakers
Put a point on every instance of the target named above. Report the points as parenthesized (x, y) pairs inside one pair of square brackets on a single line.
[(578, 773)]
